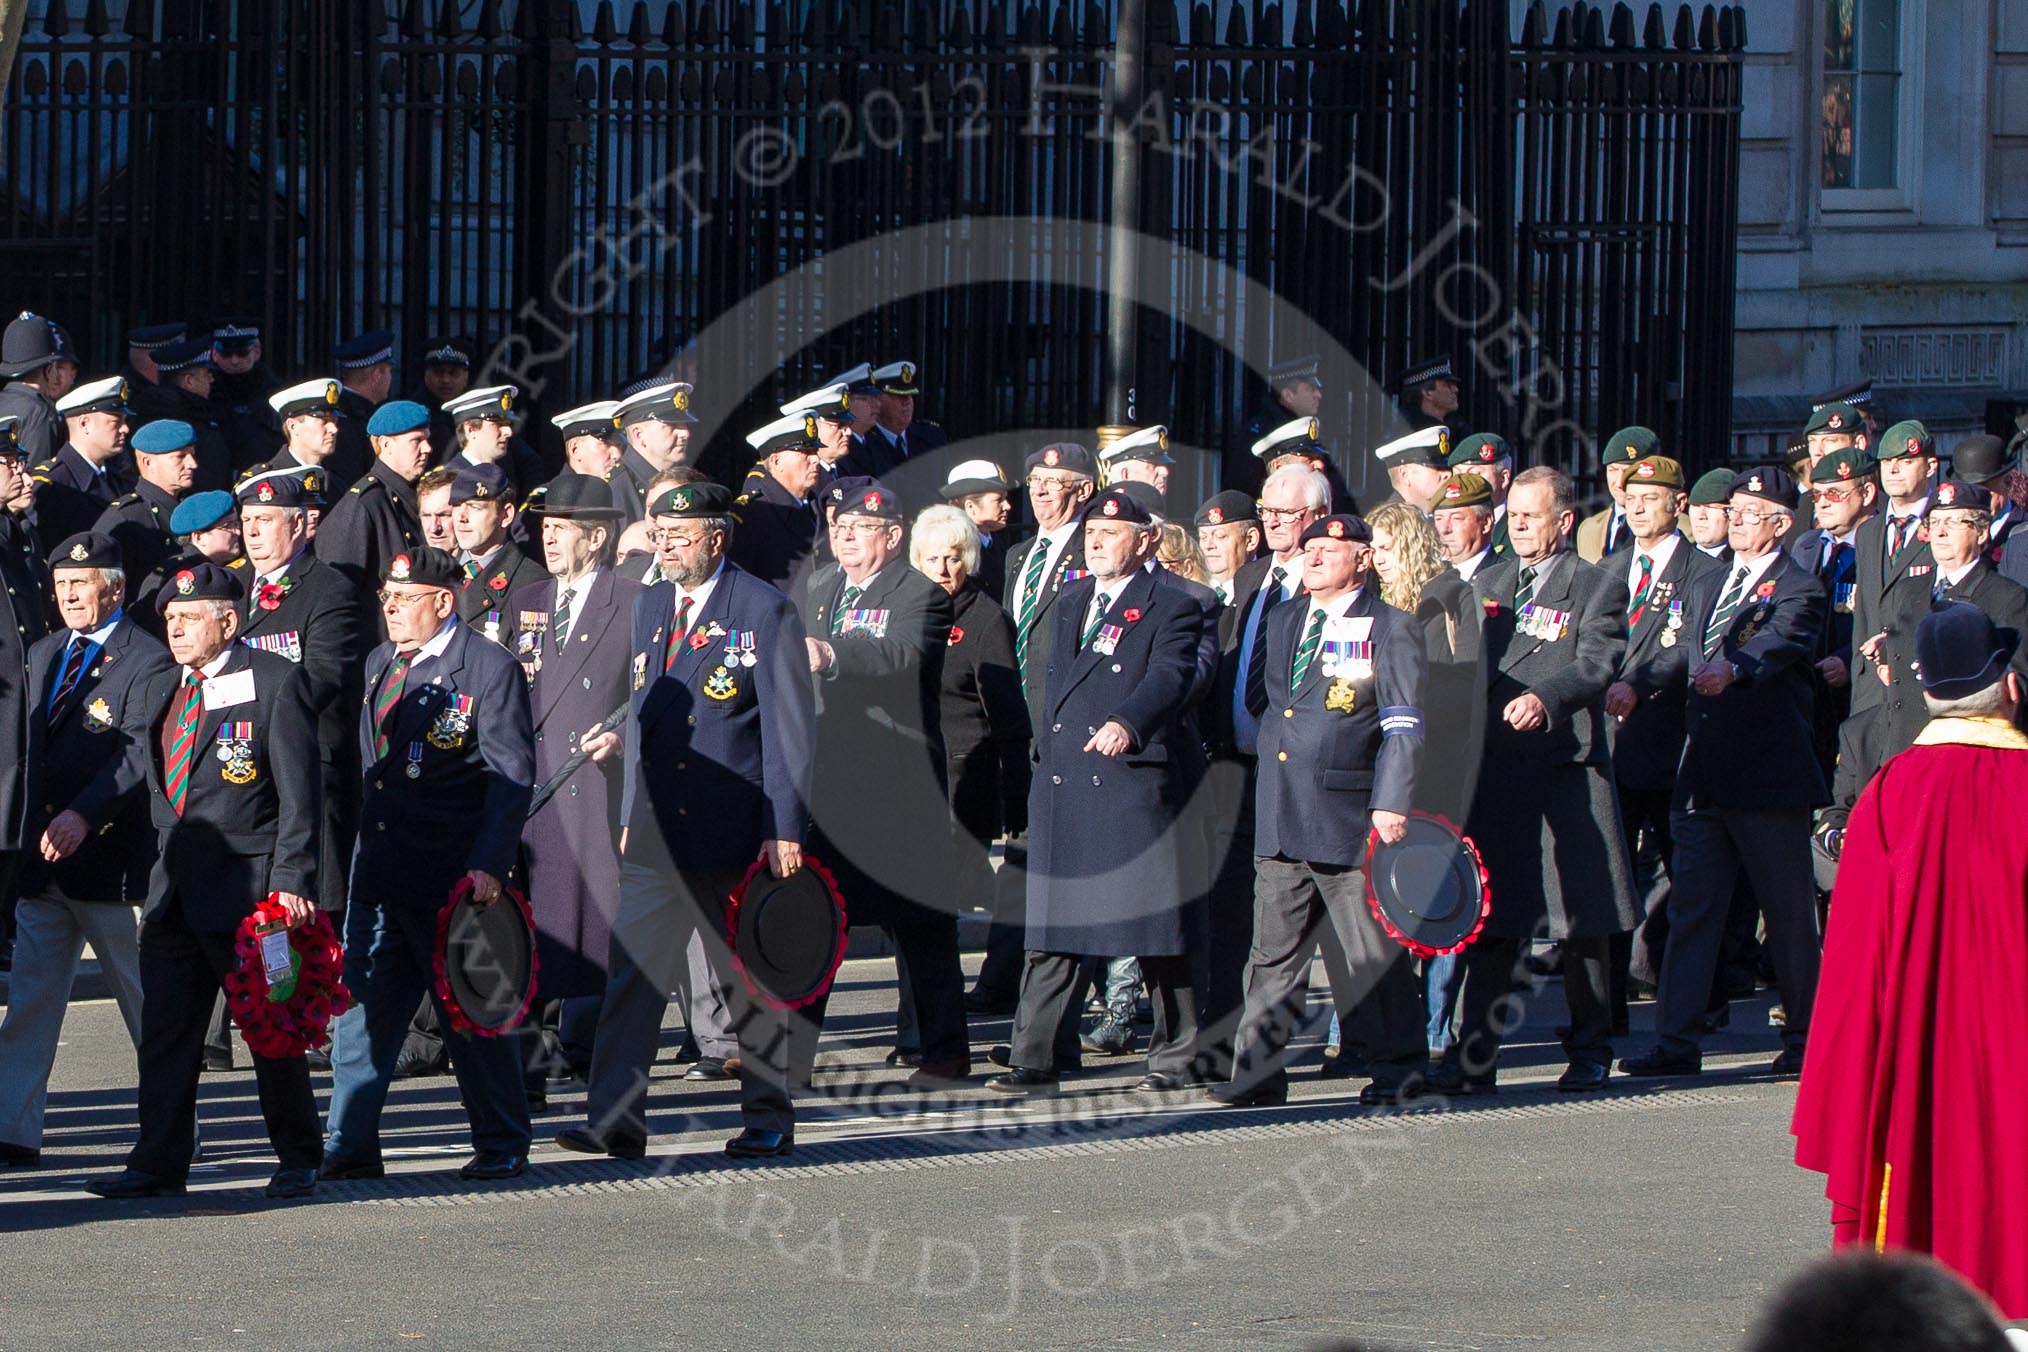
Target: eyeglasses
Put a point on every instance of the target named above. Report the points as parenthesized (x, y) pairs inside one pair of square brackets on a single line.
[(1833, 494), (1268, 513), (1745, 517), (395, 598), (864, 526), (1051, 483), (671, 536)]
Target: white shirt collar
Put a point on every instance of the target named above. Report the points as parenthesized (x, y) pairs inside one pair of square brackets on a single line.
[(1917, 512), (1952, 579), (99, 634), (576, 590), (702, 592), (1664, 550), (1468, 568), (1335, 610), (1755, 570), (210, 670), (282, 571)]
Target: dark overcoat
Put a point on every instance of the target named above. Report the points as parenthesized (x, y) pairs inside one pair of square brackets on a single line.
[(1648, 743)]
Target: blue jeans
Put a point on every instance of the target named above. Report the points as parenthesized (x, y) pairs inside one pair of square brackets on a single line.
[(388, 952), (1441, 988)]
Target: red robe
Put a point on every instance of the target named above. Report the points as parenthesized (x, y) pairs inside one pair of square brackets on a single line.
[(1914, 1096)]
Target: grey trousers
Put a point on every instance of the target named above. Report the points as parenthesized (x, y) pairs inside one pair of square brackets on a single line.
[(665, 916), (1713, 845), (1292, 901), (50, 935)]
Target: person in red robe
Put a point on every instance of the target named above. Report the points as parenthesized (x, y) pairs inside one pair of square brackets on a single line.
[(1912, 1101)]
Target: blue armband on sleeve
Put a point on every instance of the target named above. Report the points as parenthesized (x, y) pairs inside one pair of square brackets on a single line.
[(1400, 720)]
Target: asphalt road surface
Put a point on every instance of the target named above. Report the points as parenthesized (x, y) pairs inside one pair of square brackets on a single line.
[(1642, 1218)]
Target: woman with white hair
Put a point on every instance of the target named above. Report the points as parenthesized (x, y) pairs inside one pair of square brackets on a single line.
[(985, 717)]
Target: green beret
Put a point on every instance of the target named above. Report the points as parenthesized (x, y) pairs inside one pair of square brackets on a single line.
[(1907, 437), (1656, 469), (1481, 448), (1627, 445), (1847, 462), (1841, 418), (1712, 489)]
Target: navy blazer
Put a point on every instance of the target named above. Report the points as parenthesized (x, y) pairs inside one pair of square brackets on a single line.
[(1648, 744), (712, 774), (1324, 769), (235, 843), (1876, 597), (1753, 745), (475, 772), (101, 727)]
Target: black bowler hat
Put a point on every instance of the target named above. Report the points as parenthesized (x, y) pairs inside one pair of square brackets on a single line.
[(88, 550), (1979, 458), (1116, 504), (485, 961), (1339, 526), (788, 934), (1959, 651), (578, 497), (426, 567), (200, 582), (1428, 890)]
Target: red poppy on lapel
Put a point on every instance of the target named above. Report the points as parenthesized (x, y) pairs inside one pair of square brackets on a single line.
[(1765, 590), (269, 594), (957, 634), (1130, 616), (699, 640), (498, 582)]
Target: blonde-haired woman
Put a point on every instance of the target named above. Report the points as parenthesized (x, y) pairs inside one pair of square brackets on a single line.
[(1179, 553)]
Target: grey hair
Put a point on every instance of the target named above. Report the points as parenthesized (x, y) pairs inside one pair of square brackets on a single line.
[(111, 577), (1990, 702), (940, 527), (1316, 488), (1562, 492)]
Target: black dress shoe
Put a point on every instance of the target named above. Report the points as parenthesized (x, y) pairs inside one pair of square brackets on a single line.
[(755, 1144), (1449, 1078), (714, 1068), (1020, 1080), (988, 1002), (218, 1062), (1583, 1077), (335, 1170), (538, 1100), (939, 1074), (487, 1165), (1155, 1082), (18, 1156), (1234, 1095), (902, 1057), (1385, 1094), (289, 1183), (1001, 1055), (1787, 1066), (1657, 1064), (131, 1183), (585, 1141), (1343, 1067)]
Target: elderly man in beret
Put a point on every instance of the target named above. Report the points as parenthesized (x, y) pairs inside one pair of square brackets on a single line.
[(1228, 533), (376, 519), (449, 763), (90, 871), (1116, 755), (1489, 456), (228, 740)]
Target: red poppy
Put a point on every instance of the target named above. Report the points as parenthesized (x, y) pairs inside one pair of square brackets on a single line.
[(499, 582), (269, 596), (699, 641), (1492, 606), (957, 634), (1130, 616), (1765, 590)]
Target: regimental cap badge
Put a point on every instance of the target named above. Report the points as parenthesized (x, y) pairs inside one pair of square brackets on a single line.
[(330, 391), (1753, 484), (1112, 507), (123, 391), (1315, 431), (1946, 494), (1645, 470), (680, 397), (680, 500), (1914, 446), (810, 426), (1336, 530), (1834, 421), (1452, 492), (873, 502), (266, 491), (844, 401), (1443, 446), (481, 491), (79, 553), (507, 398), (908, 373), (312, 482), (1049, 456), (186, 582), (1214, 516), (1488, 452), (1844, 469), (398, 570), (1162, 437)]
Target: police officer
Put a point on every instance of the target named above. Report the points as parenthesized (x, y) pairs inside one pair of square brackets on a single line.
[(81, 480), (573, 632), (376, 518), (232, 828), (1345, 687), (303, 609), (780, 520), (1749, 776), (85, 710), (446, 374), (1429, 396), (483, 513), (143, 377), (657, 421), (449, 767), (718, 764), (366, 374), (876, 636), (185, 370), (1296, 392), (165, 451), (1113, 756), (1605, 531), (1544, 816), (240, 383), (40, 367)]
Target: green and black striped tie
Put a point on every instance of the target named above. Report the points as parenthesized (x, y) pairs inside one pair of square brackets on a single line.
[(1306, 651)]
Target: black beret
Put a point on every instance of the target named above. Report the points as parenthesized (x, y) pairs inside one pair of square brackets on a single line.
[(199, 582), (874, 499), (1117, 504), (426, 567), (282, 488), (88, 550), (481, 483), (1062, 455), (1340, 526), (1770, 483), (1223, 508)]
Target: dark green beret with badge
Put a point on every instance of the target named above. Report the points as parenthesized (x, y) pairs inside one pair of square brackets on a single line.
[(1481, 448), (1838, 419), (692, 502), (1712, 488), (1627, 445), (1844, 465), (1907, 437)]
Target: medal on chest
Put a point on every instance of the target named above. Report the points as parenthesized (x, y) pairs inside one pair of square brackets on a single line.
[(1108, 639), (739, 648), (414, 767), (719, 685), (1340, 697), (452, 724), (235, 749)]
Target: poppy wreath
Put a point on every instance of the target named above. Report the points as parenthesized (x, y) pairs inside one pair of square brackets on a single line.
[(1485, 894), (442, 979), (296, 1017), (732, 905)]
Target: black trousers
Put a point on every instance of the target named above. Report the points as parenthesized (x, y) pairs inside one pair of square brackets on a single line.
[(1644, 812), (1045, 1022), (1000, 972), (182, 971), (1485, 1015), (1228, 789)]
